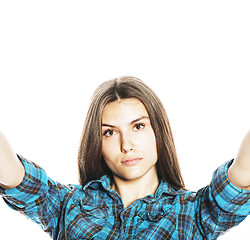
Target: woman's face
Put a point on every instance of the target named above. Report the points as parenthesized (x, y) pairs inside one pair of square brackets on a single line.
[(128, 140)]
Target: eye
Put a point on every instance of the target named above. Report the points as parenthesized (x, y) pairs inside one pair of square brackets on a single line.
[(139, 126), (109, 133)]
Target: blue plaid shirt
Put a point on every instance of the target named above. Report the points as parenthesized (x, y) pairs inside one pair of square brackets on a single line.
[(97, 212)]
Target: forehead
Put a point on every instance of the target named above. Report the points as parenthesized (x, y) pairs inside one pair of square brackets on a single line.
[(125, 109)]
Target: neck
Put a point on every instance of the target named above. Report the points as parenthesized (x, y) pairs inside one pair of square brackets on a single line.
[(131, 190)]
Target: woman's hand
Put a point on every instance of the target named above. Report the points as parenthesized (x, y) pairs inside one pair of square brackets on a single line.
[(239, 171)]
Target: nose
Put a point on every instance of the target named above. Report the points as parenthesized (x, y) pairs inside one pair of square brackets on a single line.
[(126, 143)]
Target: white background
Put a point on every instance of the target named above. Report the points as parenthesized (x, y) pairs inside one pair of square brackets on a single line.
[(53, 54)]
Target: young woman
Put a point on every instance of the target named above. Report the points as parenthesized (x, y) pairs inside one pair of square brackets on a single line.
[(130, 181)]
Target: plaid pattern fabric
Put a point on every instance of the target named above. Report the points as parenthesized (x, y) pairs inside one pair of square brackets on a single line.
[(97, 212)]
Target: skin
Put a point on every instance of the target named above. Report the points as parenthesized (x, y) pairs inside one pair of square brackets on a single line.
[(239, 171), (129, 149), (11, 169)]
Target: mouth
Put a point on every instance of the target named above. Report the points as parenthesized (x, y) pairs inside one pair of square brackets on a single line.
[(130, 161)]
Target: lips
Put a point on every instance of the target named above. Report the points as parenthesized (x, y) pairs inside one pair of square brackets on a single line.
[(130, 161)]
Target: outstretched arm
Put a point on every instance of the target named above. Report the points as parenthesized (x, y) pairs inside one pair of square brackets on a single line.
[(11, 169), (239, 171)]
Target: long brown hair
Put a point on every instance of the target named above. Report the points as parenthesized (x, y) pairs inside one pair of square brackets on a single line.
[(91, 164)]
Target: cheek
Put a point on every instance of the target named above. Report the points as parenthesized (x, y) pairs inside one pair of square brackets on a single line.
[(108, 150), (109, 155), (150, 147), (104, 151)]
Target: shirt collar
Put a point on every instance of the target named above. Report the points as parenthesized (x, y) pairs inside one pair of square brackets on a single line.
[(106, 181), (166, 188)]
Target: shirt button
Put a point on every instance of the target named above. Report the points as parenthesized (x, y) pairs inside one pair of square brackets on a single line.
[(120, 207)]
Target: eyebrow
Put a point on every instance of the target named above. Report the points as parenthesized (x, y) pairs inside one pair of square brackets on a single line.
[(134, 121)]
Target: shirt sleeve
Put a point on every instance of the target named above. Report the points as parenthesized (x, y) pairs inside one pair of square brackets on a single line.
[(230, 198), (37, 197), (221, 205)]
